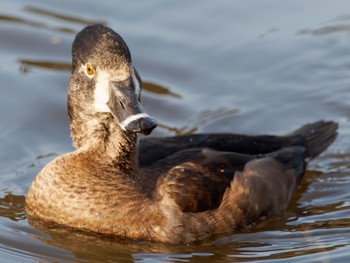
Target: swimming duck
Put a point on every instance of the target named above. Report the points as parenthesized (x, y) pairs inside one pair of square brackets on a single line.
[(180, 189)]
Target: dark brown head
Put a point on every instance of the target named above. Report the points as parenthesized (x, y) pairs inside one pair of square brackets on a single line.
[(104, 81)]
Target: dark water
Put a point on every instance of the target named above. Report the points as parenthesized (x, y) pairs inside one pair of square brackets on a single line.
[(253, 67)]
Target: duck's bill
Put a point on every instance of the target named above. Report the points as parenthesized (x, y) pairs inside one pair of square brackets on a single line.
[(128, 111)]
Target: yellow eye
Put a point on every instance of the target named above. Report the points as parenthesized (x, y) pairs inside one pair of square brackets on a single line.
[(90, 70)]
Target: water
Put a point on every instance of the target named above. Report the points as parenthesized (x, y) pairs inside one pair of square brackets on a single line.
[(225, 66)]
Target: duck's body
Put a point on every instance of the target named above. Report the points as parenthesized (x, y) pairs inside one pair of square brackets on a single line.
[(179, 190)]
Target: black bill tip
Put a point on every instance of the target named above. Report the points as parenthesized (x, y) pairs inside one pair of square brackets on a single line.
[(140, 123)]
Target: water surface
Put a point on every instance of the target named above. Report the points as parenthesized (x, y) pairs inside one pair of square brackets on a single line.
[(209, 66)]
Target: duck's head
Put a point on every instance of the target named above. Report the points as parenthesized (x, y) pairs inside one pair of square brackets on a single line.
[(105, 81)]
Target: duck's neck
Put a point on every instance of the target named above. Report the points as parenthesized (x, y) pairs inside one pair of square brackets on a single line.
[(103, 138)]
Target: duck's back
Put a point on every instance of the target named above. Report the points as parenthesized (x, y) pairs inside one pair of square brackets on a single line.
[(196, 176)]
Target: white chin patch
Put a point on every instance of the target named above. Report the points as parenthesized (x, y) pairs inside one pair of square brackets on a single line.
[(132, 118), (101, 93)]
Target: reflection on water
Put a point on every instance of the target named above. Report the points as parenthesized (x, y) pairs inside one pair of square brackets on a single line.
[(336, 27), (203, 118), (159, 90), (326, 30), (12, 207), (51, 14), (26, 65), (33, 23), (213, 66), (40, 12)]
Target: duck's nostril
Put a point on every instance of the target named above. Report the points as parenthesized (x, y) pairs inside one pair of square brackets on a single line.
[(122, 104)]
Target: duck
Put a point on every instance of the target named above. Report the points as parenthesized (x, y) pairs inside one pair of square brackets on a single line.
[(179, 190)]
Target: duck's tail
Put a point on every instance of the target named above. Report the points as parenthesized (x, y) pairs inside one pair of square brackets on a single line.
[(318, 136)]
